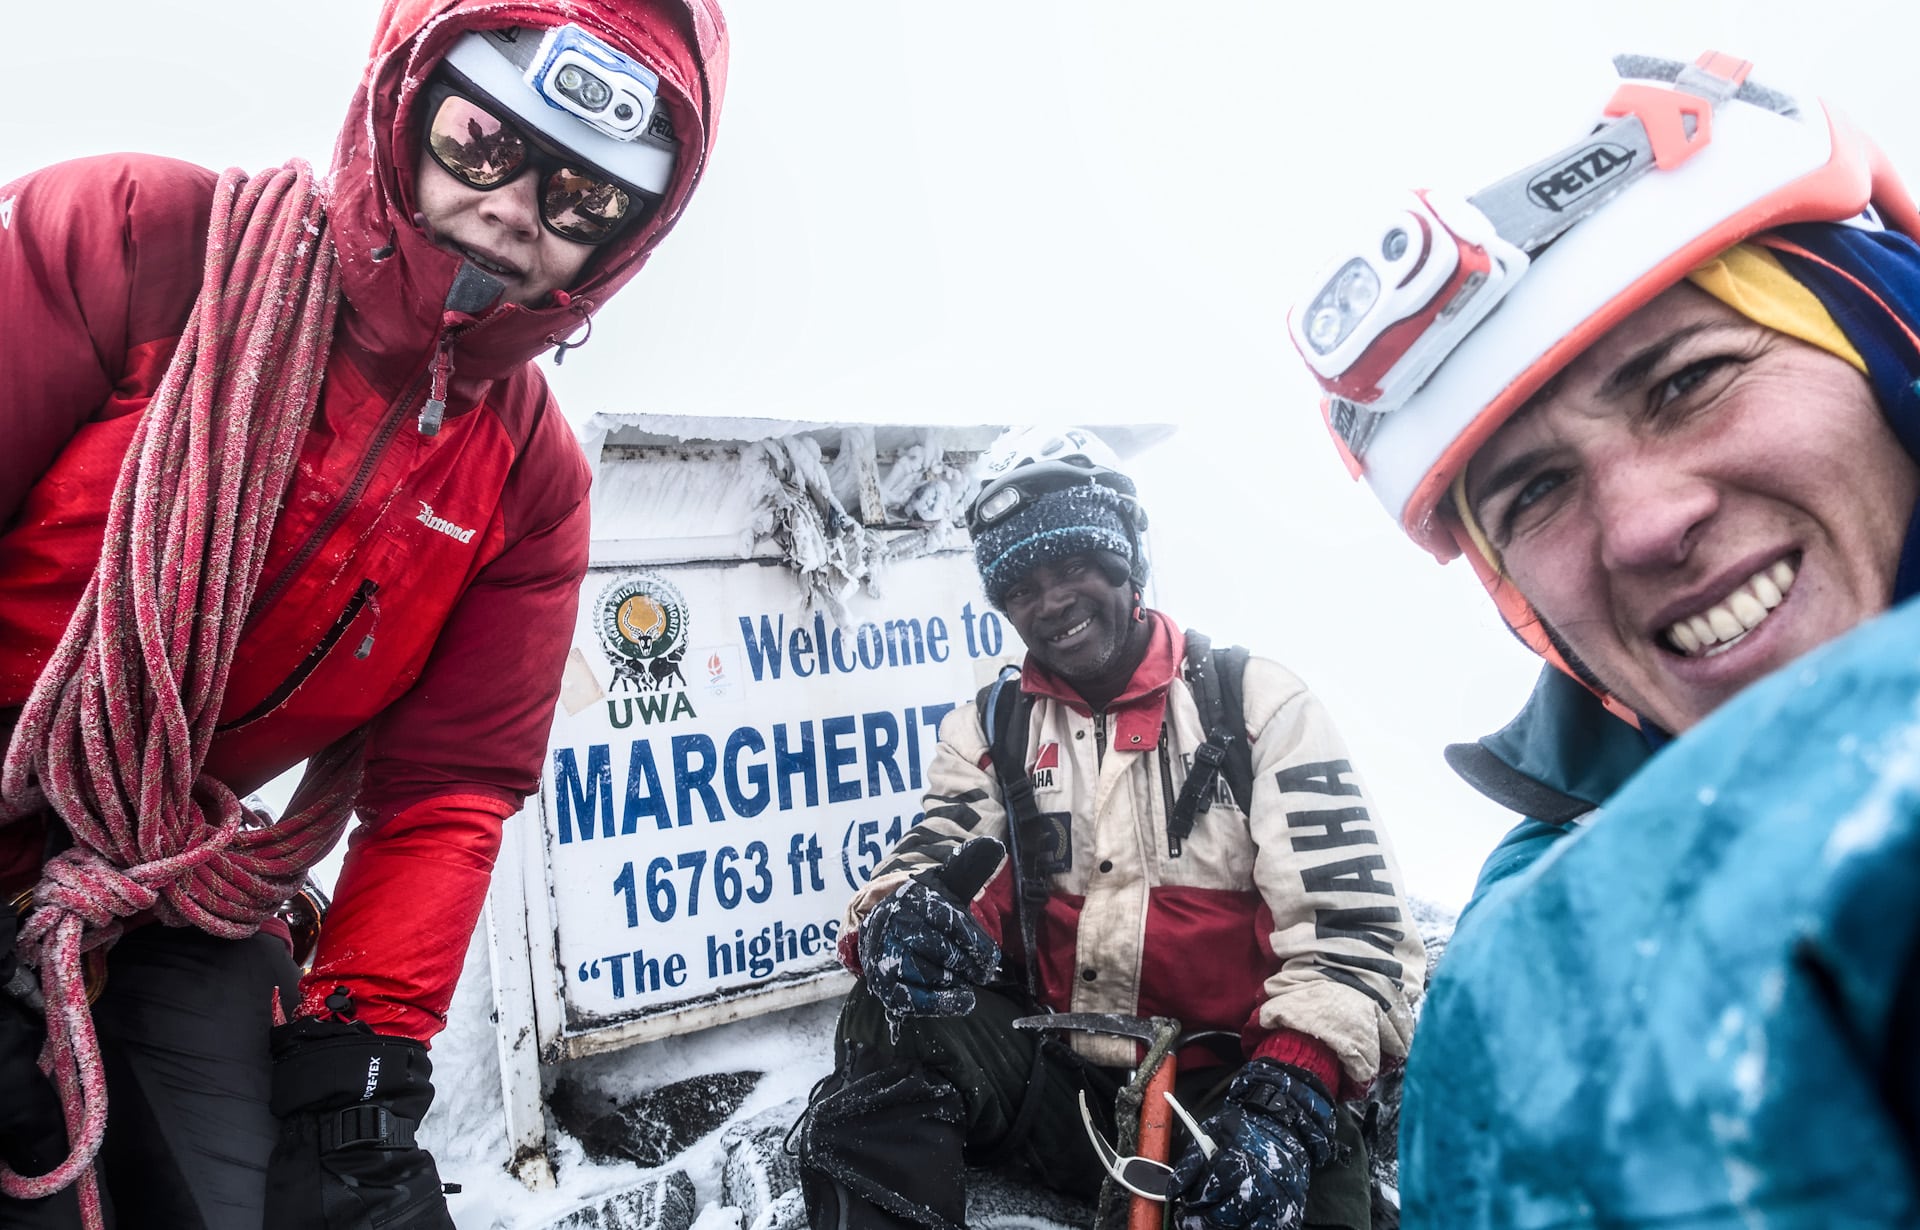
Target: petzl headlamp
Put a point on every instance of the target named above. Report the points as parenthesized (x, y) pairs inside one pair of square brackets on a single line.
[(1384, 317)]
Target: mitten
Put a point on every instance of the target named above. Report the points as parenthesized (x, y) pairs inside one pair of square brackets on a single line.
[(349, 1102), (1276, 1129), (921, 951)]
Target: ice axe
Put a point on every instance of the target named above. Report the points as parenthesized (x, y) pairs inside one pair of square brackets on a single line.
[(1148, 1096)]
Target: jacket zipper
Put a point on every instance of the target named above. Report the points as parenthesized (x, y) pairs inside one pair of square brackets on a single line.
[(396, 412), (362, 595), (1166, 793)]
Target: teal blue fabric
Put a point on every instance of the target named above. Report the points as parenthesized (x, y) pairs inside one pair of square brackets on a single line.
[(1565, 739), (1562, 756), (1523, 845), (1695, 1010)]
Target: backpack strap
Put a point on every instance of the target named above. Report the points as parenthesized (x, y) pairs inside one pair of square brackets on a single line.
[(1215, 677), (1230, 669), (1003, 708)]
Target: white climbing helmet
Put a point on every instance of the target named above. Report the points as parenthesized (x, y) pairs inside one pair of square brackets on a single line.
[(1686, 161), (1024, 465)]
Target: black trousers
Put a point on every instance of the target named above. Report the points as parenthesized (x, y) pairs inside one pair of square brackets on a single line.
[(993, 1065), (183, 1024)]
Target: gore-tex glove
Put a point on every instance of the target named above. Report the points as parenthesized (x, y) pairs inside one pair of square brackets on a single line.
[(33, 1134), (1275, 1130), (349, 1101), (921, 951)]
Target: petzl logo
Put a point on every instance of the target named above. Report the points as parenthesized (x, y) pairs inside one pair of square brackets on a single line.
[(642, 624), (441, 524), (1587, 171)]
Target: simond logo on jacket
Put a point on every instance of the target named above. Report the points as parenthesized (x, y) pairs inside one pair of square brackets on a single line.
[(441, 524)]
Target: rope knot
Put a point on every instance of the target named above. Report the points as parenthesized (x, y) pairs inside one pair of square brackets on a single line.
[(80, 884)]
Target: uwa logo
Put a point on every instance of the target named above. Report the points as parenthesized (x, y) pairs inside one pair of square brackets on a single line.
[(441, 524)]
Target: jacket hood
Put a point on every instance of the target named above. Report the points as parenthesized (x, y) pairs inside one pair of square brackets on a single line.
[(395, 280), (1562, 756)]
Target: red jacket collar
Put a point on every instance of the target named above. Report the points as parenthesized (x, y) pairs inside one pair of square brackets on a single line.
[(1139, 710), (395, 316)]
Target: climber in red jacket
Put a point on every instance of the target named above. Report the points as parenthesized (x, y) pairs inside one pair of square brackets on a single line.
[(282, 483)]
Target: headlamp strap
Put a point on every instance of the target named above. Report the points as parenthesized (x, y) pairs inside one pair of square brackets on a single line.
[(1651, 127)]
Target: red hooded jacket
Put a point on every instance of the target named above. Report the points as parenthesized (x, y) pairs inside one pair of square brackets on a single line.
[(422, 586)]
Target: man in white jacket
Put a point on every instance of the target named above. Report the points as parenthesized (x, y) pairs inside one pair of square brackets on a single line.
[(1276, 924)]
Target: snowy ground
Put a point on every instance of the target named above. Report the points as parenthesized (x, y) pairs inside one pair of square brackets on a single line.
[(466, 1129)]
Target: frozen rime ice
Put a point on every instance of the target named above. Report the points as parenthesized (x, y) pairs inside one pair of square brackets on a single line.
[(839, 502)]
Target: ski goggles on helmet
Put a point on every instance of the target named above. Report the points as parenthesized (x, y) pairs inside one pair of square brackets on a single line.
[(483, 149), (1402, 331)]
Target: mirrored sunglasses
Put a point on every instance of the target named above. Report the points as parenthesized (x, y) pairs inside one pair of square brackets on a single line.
[(485, 152)]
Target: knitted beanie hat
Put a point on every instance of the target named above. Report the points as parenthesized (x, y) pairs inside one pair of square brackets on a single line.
[(1084, 517)]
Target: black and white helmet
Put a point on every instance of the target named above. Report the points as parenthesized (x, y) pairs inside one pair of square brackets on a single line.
[(1024, 465)]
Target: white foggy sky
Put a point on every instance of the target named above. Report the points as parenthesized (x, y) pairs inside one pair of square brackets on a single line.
[(1055, 210)]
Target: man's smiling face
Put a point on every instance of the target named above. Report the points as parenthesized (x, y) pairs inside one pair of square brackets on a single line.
[(1075, 617), (1696, 501)]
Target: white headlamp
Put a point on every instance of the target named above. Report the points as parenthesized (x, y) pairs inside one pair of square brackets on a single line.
[(1384, 317), (583, 76), (577, 92), (1420, 372)]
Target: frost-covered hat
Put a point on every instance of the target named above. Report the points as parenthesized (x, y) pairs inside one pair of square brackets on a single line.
[(1047, 496)]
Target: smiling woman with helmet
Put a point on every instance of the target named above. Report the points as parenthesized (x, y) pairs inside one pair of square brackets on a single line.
[(1660, 389), (281, 482)]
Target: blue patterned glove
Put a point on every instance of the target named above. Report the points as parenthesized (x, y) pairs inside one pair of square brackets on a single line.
[(1276, 1128), (921, 951)]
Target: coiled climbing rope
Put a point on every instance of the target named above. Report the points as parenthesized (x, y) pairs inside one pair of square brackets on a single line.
[(116, 731)]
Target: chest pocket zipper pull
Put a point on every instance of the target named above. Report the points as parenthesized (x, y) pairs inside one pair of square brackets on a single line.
[(373, 613), (362, 599), (435, 411)]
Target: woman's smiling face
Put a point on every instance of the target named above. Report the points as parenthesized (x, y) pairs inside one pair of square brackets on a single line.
[(499, 230), (1696, 501)]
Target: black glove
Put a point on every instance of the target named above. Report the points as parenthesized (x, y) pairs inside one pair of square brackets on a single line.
[(921, 951), (1276, 1129), (349, 1101), (33, 1133)]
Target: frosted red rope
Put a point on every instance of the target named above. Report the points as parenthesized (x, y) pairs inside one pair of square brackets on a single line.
[(118, 726)]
